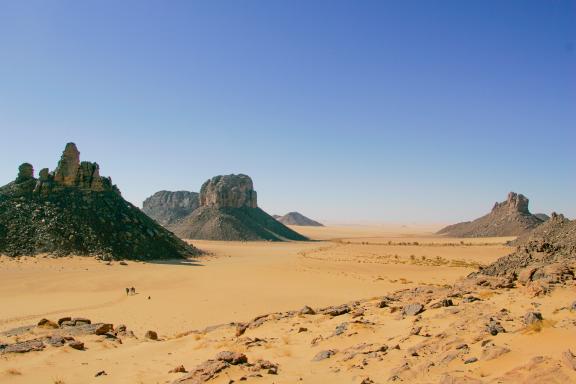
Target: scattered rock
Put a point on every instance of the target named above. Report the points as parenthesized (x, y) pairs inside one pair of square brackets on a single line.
[(45, 323), (233, 358), (306, 310), (204, 372), (75, 344), (151, 335), (412, 309), (442, 303), (532, 317), (103, 329), (81, 321), (492, 352), (23, 347), (100, 373), (178, 369), (63, 319), (241, 329), (336, 311), (569, 359), (340, 329), (55, 341), (358, 312), (494, 327), (471, 360), (323, 355), (470, 299)]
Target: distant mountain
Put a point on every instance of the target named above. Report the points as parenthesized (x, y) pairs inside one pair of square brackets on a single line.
[(75, 211), (295, 218), (508, 218), (229, 211), (167, 207)]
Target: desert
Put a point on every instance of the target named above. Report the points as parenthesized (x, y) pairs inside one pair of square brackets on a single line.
[(196, 308), (287, 191)]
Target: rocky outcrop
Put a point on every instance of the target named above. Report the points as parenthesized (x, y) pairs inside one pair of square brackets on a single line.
[(229, 191), (168, 207), (508, 218), (229, 211), (74, 210), (295, 218), (548, 254)]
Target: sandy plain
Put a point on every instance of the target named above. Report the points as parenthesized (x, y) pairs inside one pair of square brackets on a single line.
[(238, 281)]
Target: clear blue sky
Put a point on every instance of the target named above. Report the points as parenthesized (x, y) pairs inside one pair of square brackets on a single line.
[(347, 111)]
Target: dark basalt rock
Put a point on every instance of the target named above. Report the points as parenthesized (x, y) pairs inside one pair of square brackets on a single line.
[(74, 210)]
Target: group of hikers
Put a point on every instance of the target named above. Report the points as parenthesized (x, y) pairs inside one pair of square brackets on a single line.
[(132, 291)]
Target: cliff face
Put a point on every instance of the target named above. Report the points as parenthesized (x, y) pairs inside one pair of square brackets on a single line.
[(508, 218), (228, 191), (168, 207), (229, 211), (74, 210)]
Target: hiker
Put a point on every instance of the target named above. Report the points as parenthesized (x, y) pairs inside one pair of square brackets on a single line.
[(127, 291), (133, 290)]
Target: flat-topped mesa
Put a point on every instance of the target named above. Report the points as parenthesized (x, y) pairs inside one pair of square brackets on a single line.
[(228, 191), (229, 211), (514, 203)]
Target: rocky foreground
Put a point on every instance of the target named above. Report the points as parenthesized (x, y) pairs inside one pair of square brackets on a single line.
[(74, 210), (508, 218)]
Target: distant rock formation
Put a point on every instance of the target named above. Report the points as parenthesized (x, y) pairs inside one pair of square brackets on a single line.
[(295, 218), (229, 211), (74, 210), (508, 218), (168, 207)]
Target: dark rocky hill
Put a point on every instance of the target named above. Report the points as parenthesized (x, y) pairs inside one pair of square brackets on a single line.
[(548, 252), (75, 211), (295, 218), (167, 207), (508, 218), (229, 211)]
